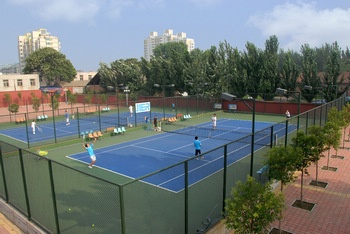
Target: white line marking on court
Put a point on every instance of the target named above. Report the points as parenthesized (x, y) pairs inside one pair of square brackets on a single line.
[(208, 162), (102, 168), (13, 138)]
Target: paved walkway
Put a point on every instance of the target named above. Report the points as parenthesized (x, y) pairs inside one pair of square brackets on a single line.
[(332, 211), (7, 227)]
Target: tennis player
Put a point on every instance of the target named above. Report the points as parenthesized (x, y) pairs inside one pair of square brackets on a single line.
[(67, 117), (197, 145), (33, 126), (213, 120), (287, 114), (155, 122), (131, 110), (90, 150)]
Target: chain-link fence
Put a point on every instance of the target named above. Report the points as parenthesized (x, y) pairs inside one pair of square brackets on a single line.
[(61, 199)]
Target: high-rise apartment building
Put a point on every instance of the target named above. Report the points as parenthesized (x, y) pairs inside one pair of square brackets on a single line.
[(33, 41), (153, 40)]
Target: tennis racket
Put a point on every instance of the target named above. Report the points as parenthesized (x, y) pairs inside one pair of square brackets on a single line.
[(39, 129)]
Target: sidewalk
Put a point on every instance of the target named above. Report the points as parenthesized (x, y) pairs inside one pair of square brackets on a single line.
[(7, 227), (331, 213)]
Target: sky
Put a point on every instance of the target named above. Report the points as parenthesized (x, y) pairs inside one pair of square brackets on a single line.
[(94, 31)]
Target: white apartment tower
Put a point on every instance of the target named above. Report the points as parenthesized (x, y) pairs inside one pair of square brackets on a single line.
[(33, 41), (153, 40)]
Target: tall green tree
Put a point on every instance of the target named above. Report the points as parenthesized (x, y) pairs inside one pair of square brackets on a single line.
[(252, 207), (175, 58), (196, 82), (212, 74), (332, 72), (290, 71), (309, 73), (271, 77), (53, 67), (253, 64)]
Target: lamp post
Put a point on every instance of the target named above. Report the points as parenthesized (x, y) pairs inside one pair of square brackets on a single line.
[(126, 91), (52, 93), (111, 88), (163, 88), (252, 108)]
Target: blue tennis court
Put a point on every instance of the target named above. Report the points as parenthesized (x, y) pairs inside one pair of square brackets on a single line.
[(140, 157)]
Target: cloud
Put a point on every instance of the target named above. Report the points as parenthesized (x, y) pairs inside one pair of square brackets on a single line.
[(80, 10), (298, 24), (67, 10)]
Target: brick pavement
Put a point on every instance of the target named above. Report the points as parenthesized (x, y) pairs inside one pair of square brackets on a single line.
[(331, 215)]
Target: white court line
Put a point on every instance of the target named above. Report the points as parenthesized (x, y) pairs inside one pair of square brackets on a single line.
[(208, 162), (102, 168), (13, 138)]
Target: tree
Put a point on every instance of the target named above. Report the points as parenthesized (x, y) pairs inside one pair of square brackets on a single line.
[(346, 116), (271, 76), (13, 108), (303, 145), (35, 102), (253, 64), (332, 131), (121, 73), (177, 57), (282, 161), (319, 137), (332, 72), (19, 94), (7, 99), (252, 207), (195, 74), (309, 73), (290, 71), (52, 66)]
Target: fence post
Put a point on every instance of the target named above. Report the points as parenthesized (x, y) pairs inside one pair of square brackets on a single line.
[(26, 121), (186, 197), (3, 175), (54, 196), (224, 180), (24, 183), (122, 211)]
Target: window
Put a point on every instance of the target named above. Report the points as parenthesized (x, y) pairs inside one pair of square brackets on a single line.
[(6, 83), (19, 82), (81, 77), (32, 82), (90, 76)]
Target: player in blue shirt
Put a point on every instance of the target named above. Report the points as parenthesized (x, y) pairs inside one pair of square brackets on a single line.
[(90, 150), (197, 145)]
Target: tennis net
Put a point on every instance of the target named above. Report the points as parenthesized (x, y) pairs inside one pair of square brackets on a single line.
[(112, 120), (262, 137)]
